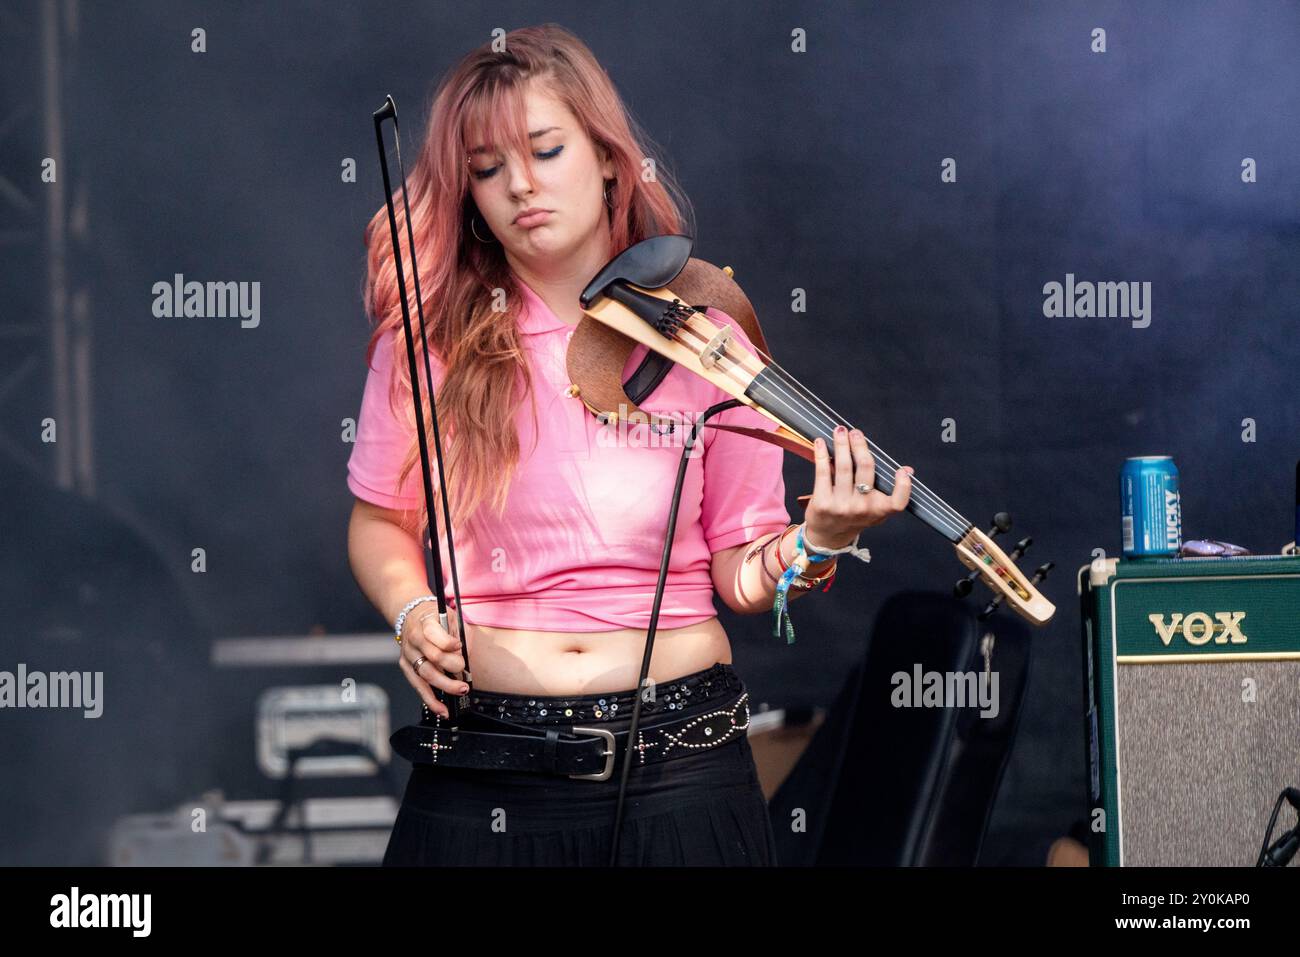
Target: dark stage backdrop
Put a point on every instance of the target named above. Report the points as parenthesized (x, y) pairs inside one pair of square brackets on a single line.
[(918, 173)]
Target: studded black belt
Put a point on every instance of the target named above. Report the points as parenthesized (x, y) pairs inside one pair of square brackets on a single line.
[(565, 736), (711, 684)]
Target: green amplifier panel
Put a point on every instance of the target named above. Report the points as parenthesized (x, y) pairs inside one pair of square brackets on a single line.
[(1192, 705)]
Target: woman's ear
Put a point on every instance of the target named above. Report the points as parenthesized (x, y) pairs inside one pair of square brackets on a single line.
[(607, 169)]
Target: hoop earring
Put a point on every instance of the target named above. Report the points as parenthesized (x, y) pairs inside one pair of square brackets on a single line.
[(473, 230), (608, 184)]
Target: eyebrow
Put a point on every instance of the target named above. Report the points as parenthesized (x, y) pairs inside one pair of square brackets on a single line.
[(532, 136)]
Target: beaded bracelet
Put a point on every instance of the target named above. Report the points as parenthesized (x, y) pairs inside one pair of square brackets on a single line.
[(401, 616)]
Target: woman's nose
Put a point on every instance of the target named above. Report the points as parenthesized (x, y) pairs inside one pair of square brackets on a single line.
[(520, 184)]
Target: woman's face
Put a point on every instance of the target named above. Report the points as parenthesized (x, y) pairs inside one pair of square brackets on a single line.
[(568, 180)]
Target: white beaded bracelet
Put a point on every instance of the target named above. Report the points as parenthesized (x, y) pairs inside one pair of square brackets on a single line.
[(401, 617)]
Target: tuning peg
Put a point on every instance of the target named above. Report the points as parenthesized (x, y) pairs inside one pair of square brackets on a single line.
[(1039, 574), (1001, 522), (1022, 546), (964, 586)]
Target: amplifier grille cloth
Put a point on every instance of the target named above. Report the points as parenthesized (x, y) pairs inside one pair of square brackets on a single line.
[(1199, 769)]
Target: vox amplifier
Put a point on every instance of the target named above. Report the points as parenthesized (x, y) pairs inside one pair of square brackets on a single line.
[(1192, 704)]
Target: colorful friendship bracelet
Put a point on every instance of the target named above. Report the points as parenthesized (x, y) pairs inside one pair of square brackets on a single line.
[(792, 574)]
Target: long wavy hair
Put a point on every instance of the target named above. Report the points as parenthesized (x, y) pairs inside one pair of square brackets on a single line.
[(486, 377)]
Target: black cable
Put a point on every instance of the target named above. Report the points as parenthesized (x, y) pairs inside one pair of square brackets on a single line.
[(654, 617), (1280, 854)]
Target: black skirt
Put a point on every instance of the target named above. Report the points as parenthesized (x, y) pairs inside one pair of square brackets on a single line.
[(704, 809)]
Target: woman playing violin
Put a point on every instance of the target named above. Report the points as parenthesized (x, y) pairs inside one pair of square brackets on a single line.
[(531, 177)]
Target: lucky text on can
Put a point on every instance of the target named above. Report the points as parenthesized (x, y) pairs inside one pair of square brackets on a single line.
[(1150, 507)]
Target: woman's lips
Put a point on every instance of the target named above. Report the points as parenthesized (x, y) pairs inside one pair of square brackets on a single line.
[(532, 219)]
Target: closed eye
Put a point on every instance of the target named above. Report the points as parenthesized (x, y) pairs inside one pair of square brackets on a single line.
[(549, 154)]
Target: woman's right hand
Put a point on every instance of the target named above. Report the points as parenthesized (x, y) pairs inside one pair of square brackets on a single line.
[(422, 635)]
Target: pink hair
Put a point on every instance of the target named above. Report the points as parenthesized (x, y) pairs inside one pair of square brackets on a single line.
[(486, 371)]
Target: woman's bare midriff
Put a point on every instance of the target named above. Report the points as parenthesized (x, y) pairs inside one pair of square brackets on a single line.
[(517, 661)]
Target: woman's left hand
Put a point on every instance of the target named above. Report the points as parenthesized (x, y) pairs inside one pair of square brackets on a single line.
[(837, 512)]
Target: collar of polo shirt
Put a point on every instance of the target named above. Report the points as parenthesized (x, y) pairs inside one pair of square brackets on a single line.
[(537, 317)]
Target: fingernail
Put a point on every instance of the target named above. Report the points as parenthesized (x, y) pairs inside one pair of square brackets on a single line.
[(464, 689), (840, 430)]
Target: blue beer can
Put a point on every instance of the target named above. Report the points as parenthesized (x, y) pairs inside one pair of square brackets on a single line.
[(1152, 513)]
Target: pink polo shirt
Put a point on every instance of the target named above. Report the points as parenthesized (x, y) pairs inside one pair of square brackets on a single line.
[(579, 544)]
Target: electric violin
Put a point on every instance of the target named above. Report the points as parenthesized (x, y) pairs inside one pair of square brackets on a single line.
[(630, 301)]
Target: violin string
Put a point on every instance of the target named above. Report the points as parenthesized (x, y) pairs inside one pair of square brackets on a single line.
[(919, 488), (885, 462), (925, 502), (794, 390), (791, 385), (791, 389)]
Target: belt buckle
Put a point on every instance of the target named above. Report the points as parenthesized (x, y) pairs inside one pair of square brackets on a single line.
[(605, 773)]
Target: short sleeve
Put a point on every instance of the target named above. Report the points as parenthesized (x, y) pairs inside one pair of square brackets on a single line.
[(744, 487), (383, 440)]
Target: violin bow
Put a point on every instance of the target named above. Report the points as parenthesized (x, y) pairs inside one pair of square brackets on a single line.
[(454, 703), (631, 295)]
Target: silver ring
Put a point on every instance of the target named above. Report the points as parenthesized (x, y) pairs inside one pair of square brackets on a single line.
[(419, 661), (862, 487)]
